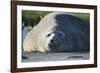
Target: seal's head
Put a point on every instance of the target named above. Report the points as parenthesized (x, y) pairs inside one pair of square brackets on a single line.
[(56, 39)]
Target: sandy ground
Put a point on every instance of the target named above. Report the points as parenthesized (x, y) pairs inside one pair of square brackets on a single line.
[(41, 57)]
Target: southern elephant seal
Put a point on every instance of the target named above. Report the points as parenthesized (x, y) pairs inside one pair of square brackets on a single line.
[(58, 32)]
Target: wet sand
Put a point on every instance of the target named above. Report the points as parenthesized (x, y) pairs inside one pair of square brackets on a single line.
[(41, 57)]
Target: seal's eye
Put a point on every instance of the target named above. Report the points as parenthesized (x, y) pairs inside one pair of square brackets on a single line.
[(59, 34), (48, 35)]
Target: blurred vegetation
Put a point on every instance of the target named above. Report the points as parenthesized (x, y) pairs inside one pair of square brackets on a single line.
[(83, 16), (38, 15), (35, 15)]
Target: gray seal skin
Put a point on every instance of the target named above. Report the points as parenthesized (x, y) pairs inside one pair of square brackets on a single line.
[(58, 32)]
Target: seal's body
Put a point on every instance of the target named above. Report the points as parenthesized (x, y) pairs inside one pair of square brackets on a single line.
[(58, 32)]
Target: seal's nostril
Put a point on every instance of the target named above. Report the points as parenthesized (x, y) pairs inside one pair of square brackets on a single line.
[(52, 41)]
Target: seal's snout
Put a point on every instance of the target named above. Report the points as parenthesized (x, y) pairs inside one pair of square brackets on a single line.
[(56, 40)]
